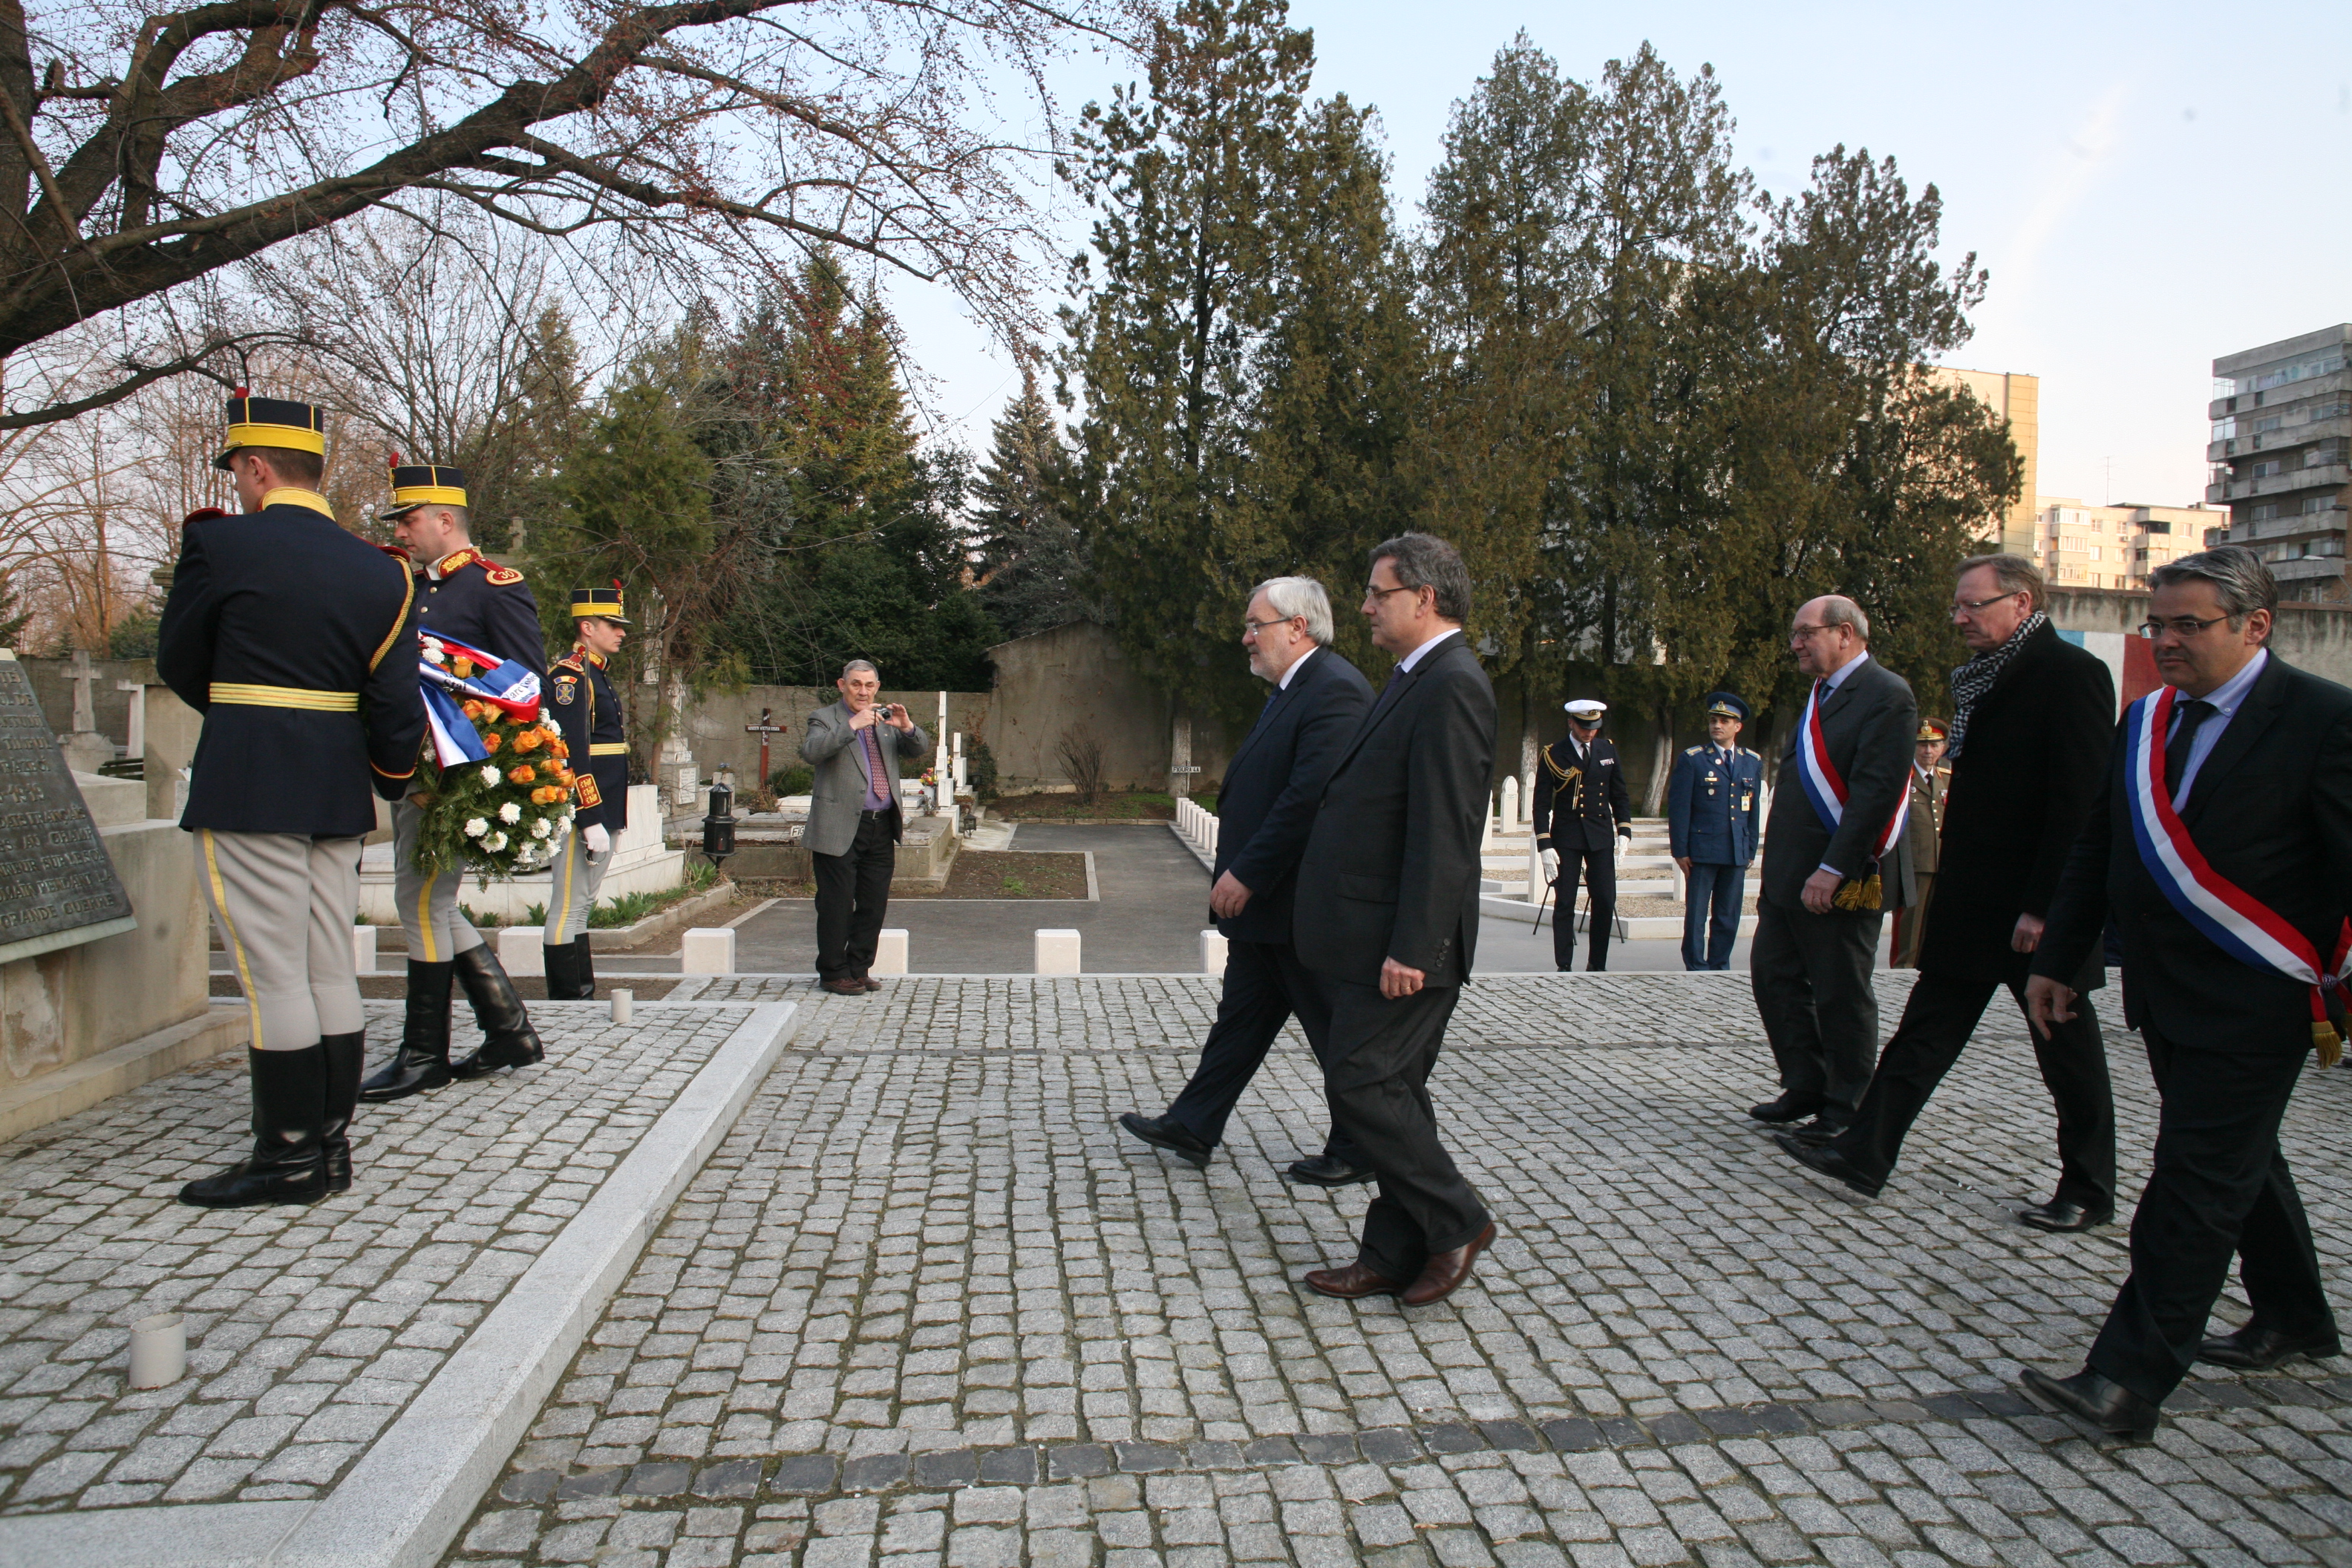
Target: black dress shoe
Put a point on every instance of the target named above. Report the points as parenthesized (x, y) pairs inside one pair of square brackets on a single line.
[(1787, 1108), (2094, 1400), (1822, 1129), (2062, 1214), (1164, 1132), (1327, 1170), (2257, 1349), (1825, 1161)]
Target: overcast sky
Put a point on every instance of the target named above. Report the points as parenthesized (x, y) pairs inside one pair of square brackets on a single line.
[(2151, 186)]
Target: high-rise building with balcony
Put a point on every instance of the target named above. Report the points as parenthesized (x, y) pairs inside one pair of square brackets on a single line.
[(2079, 546), (2282, 457)]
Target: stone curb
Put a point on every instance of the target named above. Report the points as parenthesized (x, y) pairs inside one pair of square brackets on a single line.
[(403, 1504), (827, 1475)]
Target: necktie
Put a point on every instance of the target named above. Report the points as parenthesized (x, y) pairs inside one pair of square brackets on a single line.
[(878, 777), (2193, 713)]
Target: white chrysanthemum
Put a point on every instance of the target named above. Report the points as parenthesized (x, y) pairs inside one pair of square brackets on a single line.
[(495, 842), (510, 814), (475, 827), (491, 775), (540, 829)]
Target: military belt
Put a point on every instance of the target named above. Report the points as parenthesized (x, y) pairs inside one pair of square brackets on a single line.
[(302, 696), (609, 749)]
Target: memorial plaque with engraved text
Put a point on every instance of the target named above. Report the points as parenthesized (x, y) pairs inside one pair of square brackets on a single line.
[(55, 878)]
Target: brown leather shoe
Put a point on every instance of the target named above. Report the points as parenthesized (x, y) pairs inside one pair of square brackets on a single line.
[(1349, 1284), (1444, 1271), (869, 982), (844, 987)]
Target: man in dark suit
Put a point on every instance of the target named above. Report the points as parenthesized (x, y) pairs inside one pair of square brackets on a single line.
[(2026, 747), (295, 640), (1267, 804), (1582, 818), (2236, 774), (1387, 918), (1830, 872)]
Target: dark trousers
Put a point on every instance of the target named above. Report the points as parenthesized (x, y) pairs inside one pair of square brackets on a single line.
[(2219, 1185), (1711, 914), (1380, 1056), (852, 892), (1599, 871), (1265, 985), (1811, 977), (1937, 1022)]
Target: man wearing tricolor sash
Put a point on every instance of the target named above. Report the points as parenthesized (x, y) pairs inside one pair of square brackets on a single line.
[(2221, 845), (291, 637), (1833, 868)]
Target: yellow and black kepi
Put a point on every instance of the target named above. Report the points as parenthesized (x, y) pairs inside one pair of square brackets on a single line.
[(422, 484), (272, 421), (604, 603)]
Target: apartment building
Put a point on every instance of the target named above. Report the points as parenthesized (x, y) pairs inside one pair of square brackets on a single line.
[(2017, 398), (2282, 457), (2080, 546)]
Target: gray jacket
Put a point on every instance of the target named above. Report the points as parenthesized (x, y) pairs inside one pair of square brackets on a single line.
[(831, 747)]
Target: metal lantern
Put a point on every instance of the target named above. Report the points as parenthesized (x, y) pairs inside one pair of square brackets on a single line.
[(719, 828)]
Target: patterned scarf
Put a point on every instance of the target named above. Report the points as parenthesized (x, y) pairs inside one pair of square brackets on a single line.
[(1974, 678)]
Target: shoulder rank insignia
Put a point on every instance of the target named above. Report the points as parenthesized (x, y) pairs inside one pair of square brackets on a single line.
[(1693, 750), (500, 576), (566, 685)]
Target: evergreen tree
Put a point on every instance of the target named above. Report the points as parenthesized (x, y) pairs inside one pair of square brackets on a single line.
[(1033, 571)]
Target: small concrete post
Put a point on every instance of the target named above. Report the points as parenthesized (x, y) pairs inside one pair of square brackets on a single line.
[(624, 1002), (890, 953), (1534, 872), (708, 950), (1058, 951), (159, 1351), (363, 948), (1510, 805), (1213, 954), (523, 950)]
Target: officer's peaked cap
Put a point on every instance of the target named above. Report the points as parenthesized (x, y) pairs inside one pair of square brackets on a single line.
[(1727, 705), (423, 484)]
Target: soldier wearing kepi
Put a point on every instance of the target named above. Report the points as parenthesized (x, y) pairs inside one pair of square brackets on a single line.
[(585, 707), (464, 596), (1931, 780), (1582, 817), (1711, 821), (291, 637)]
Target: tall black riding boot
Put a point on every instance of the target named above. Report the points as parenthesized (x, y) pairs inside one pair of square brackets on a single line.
[(422, 1062), (584, 966), (508, 1038), (288, 1163), (344, 1054), (568, 978)]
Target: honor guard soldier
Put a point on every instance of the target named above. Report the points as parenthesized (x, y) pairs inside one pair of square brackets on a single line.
[(1582, 818), (291, 637), (585, 707), (1712, 812), (1931, 780), (464, 596)]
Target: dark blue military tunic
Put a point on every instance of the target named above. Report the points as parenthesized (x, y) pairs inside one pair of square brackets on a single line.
[(581, 698), (1712, 805), (293, 638), (483, 604)]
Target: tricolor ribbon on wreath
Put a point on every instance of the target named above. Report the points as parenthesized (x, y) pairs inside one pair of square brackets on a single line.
[(508, 684), (1827, 790), (2239, 924)]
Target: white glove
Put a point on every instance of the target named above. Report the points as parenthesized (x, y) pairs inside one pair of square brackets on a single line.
[(596, 838), (1550, 859), (1624, 842)]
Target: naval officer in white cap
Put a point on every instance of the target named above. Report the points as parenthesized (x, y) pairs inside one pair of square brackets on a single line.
[(1584, 819)]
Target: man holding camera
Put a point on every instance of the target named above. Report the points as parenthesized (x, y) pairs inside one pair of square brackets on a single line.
[(853, 827)]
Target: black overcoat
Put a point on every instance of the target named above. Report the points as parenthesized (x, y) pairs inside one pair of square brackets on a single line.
[(1272, 787)]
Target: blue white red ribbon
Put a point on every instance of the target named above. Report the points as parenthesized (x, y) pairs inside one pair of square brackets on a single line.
[(2239, 923), (507, 684), (1826, 789)]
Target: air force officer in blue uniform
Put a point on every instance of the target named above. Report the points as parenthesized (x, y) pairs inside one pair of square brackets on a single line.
[(1711, 820)]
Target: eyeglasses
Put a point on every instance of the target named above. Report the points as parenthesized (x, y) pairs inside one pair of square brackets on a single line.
[(1249, 626), (2180, 626), (1384, 593), (1795, 632), (1970, 606)]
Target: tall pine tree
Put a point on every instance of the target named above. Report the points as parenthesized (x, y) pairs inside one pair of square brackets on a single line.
[(1033, 571)]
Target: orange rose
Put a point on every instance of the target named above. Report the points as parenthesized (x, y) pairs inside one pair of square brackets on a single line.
[(560, 749), (461, 668), (563, 777), (473, 710), (493, 741), (529, 740), (522, 774)]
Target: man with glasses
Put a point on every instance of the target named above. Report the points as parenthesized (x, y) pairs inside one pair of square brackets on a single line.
[(1832, 867), (1265, 808), (1582, 818), (2220, 844), (2027, 741)]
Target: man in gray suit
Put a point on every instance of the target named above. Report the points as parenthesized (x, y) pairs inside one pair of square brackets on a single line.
[(853, 825), (1830, 875)]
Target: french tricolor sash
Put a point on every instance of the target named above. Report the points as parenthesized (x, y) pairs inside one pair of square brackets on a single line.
[(2238, 923), (1826, 789)]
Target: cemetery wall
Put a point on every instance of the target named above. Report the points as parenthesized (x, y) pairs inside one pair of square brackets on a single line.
[(1076, 677), (715, 721)]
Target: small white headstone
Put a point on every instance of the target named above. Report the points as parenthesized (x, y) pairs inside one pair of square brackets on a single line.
[(1510, 804), (521, 949), (363, 948), (710, 950), (1058, 952), (890, 953), (1213, 954)]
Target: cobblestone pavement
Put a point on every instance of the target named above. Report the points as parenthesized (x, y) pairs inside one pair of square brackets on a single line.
[(309, 1328), (927, 1305)]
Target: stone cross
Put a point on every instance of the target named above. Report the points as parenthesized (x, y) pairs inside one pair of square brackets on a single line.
[(85, 715)]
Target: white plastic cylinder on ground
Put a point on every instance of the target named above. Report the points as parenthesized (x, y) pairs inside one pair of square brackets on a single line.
[(708, 950), (523, 950), (1058, 951), (159, 1351), (1213, 954), (624, 1003), (890, 953)]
